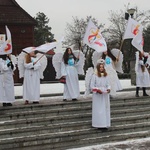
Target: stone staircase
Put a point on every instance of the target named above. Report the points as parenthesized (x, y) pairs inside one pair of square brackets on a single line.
[(66, 125)]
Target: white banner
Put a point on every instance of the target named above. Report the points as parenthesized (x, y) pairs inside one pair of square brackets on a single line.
[(138, 41), (6, 46), (94, 39), (133, 27)]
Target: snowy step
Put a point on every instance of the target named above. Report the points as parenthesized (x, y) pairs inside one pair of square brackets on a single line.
[(75, 138), (111, 138), (81, 103), (43, 113), (45, 110), (65, 121), (32, 120), (64, 125), (130, 111), (73, 110)]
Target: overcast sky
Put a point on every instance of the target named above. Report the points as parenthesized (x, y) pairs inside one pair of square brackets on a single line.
[(61, 11)]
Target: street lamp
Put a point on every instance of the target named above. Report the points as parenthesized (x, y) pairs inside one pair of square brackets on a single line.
[(130, 12)]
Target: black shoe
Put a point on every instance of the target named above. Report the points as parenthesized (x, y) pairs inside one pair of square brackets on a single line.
[(9, 104), (145, 94), (64, 100), (103, 129), (136, 95), (36, 102), (4, 104), (74, 99), (26, 102)]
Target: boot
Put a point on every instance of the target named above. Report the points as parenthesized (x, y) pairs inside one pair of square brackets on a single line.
[(144, 92), (137, 92)]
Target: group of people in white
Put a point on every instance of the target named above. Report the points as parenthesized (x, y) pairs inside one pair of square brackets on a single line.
[(101, 79)]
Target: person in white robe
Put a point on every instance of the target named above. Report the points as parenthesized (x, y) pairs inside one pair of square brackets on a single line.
[(31, 82), (69, 71), (100, 98), (110, 59), (142, 74), (6, 80)]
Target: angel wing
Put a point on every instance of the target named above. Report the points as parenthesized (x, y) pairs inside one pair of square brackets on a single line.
[(20, 63), (13, 59), (56, 61), (95, 58), (118, 65), (43, 62), (88, 77), (81, 61)]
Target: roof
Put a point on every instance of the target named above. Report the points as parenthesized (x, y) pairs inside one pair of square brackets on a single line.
[(12, 13)]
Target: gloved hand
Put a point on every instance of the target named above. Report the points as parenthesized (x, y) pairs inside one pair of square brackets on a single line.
[(10, 64)]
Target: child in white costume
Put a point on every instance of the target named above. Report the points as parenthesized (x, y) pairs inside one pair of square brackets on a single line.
[(110, 61), (30, 67), (69, 71), (142, 74), (7, 68), (101, 101), (68, 65)]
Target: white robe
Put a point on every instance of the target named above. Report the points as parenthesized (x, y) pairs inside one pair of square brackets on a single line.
[(100, 103), (6, 83), (71, 88), (31, 83), (142, 78), (113, 77)]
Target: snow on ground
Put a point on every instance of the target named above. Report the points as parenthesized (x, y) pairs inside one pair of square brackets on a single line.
[(138, 144)]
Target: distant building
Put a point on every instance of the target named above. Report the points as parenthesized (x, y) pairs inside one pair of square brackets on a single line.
[(21, 26)]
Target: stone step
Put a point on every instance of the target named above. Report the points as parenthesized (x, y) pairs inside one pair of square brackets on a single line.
[(73, 110), (63, 125), (77, 138), (81, 103), (68, 118), (130, 111), (10, 113), (110, 139)]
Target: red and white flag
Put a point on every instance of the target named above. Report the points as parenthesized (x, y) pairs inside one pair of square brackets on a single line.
[(6, 46), (138, 41), (132, 29), (93, 38)]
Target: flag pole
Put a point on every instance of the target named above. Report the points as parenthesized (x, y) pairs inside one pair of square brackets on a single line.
[(39, 58)]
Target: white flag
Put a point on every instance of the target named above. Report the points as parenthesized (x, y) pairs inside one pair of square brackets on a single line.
[(6, 46), (138, 41), (46, 47), (94, 39), (133, 27)]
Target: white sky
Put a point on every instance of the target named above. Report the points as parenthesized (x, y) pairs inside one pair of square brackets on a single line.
[(61, 12)]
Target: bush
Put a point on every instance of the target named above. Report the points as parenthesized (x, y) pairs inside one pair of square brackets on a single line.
[(124, 76), (81, 77)]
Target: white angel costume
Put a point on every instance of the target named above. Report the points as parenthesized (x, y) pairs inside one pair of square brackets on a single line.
[(101, 102), (111, 69), (7, 81), (142, 78), (70, 71), (32, 73)]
